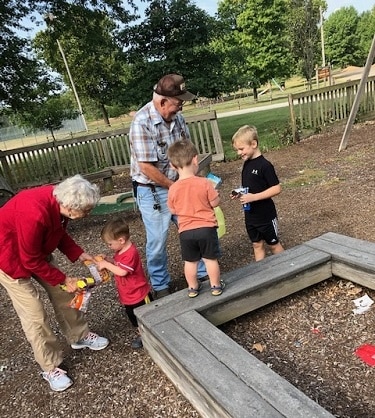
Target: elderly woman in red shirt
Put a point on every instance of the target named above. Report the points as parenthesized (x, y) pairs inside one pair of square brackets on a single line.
[(33, 225)]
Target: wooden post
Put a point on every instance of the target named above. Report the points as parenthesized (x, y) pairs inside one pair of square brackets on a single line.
[(293, 119), (6, 169), (358, 96)]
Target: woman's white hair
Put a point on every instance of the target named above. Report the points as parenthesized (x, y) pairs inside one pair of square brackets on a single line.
[(77, 193)]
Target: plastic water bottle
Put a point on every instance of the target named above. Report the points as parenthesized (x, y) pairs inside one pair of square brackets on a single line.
[(246, 206)]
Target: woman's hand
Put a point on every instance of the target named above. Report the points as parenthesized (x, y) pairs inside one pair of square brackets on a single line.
[(84, 257), (70, 284)]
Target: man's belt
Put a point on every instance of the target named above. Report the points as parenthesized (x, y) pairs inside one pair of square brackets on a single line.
[(146, 184)]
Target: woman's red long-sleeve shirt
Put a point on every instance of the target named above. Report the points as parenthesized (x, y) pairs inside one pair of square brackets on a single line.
[(31, 228)]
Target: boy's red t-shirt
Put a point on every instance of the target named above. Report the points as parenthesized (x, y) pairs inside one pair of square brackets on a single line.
[(133, 287)]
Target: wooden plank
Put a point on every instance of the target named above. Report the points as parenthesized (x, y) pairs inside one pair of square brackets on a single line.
[(357, 253), (4, 185), (272, 291), (286, 399), (203, 363), (202, 377), (204, 161), (203, 116), (6, 192), (105, 174), (240, 282), (354, 275)]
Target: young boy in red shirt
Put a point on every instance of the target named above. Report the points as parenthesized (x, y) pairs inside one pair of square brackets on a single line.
[(133, 288)]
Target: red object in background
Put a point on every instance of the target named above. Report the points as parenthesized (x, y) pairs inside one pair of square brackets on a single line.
[(366, 352)]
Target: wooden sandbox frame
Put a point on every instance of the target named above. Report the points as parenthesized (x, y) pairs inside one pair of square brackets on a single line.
[(216, 375)]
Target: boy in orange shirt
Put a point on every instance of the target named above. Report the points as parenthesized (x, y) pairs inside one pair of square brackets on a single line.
[(193, 199)]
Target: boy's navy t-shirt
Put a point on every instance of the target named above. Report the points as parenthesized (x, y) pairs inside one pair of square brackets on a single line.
[(258, 175)]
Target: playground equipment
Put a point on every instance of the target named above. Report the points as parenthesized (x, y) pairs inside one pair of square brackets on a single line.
[(115, 203)]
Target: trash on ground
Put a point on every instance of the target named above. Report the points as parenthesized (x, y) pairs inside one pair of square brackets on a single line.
[(362, 304), (259, 347), (366, 352)]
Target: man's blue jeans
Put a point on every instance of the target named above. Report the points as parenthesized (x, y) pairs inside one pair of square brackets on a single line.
[(156, 223)]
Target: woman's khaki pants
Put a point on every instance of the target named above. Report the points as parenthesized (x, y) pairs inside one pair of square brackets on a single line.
[(26, 300)]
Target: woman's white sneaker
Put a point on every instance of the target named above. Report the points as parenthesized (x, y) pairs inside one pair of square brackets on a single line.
[(92, 341), (57, 379)]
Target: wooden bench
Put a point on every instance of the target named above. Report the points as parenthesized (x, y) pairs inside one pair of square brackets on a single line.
[(214, 373), (105, 175), (6, 192), (92, 155)]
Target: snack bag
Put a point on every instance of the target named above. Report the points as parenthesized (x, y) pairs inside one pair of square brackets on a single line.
[(101, 276), (81, 300), (82, 284)]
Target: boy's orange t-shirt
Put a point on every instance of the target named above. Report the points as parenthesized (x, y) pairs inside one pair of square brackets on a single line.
[(190, 199)]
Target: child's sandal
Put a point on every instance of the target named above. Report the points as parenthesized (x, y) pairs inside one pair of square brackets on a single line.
[(217, 290), (192, 293)]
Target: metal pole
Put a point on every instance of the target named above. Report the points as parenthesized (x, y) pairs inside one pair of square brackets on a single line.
[(358, 96), (322, 37), (72, 83), (49, 18)]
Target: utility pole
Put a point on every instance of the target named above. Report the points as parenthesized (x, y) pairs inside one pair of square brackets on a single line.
[(322, 37), (51, 17)]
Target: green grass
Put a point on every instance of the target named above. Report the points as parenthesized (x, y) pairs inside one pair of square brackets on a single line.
[(272, 125), (305, 177)]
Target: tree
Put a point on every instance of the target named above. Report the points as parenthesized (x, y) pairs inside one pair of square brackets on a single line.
[(94, 58), (48, 114), (304, 19), (366, 31), (259, 43), (19, 69), (341, 38), (227, 43), (173, 38)]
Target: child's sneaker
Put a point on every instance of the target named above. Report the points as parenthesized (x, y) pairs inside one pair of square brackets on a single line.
[(57, 379), (137, 342), (217, 290), (92, 341), (192, 293)]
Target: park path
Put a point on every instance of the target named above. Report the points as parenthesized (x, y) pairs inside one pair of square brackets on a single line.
[(251, 110)]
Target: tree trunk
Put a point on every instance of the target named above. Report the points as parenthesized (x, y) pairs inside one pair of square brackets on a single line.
[(255, 94), (105, 114)]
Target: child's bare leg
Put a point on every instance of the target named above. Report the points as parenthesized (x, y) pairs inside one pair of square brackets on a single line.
[(277, 248), (191, 269), (259, 250), (213, 271)]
